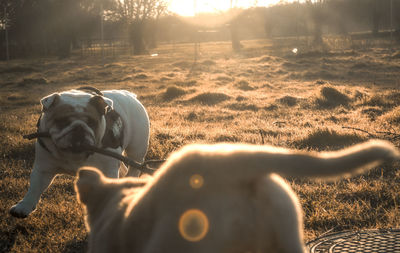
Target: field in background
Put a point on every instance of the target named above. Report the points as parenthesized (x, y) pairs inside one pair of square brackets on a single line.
[(266, 94)]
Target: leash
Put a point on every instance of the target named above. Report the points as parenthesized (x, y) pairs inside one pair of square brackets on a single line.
[(144, 167)]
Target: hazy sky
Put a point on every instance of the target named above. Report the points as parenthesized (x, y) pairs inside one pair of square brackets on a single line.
[(186, 7)]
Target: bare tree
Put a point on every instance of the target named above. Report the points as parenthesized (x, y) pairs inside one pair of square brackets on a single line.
[(153, 26), (136, 13), (4, 24), (234, 26), (317, 18), (376, 16)]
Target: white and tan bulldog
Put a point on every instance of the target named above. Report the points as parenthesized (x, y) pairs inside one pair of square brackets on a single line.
[(214, 198), (112, 119)]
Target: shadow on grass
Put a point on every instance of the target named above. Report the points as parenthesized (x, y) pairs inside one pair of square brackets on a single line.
[(8, 238), (76, 246), (23, 151)]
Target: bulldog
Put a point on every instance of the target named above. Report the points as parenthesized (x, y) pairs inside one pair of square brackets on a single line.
[(214, 198), (114, 120)]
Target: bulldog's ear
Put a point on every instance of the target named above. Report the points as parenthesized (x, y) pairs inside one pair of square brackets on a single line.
[(100, 103), (88, 185), (49, 101)]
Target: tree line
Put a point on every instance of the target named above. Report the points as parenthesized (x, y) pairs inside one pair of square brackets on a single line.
[(55, 27)]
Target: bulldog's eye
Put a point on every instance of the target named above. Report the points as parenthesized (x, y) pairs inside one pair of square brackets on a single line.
[(62, 122)]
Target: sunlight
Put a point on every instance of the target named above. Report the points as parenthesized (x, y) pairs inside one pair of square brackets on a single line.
[(190, 8)]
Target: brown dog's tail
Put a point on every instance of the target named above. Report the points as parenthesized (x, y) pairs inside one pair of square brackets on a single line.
[(346, 162), (242, 161)]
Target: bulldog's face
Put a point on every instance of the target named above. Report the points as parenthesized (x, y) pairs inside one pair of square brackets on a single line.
[(73, 118)]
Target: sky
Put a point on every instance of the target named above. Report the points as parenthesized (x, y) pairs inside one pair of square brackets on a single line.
[(187, 7)]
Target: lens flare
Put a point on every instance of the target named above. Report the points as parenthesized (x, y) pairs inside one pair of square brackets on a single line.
[(193, 225), (196, 181)]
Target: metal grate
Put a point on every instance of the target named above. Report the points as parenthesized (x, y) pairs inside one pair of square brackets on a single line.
[(373, 241)]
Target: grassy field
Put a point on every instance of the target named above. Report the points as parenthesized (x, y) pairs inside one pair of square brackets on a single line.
[(265, 95)]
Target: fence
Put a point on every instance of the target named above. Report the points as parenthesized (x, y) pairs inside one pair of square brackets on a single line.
[(106, 47)]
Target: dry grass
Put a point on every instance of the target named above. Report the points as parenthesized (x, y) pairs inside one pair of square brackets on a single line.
[(257, 96)]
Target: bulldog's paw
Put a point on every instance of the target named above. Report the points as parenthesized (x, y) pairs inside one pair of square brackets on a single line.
[(21, 209)]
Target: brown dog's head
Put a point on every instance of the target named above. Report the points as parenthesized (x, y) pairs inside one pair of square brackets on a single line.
[(100, 195), (73, 118)]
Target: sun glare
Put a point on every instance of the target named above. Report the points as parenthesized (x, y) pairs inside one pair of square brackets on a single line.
[(190, 8)]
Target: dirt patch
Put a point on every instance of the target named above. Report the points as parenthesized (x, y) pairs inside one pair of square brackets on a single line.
[(15, 97), (396, 55), (182, 64), (33, 81), (164, 136), (240, 98), (265, 58), (173, 92), (321, 82), (271, 107), (394, 98), (244, 85), (325, 139), (224, 79), (187, 83), (242, 107), (208, 63), (165, 79), (226, 138), (18, 69), (392, 117), (288, 100), (331, 97), (360, 65), (193, 116), (321, 74), (387, 101), (372, 112), (210, 98), (141, 76)]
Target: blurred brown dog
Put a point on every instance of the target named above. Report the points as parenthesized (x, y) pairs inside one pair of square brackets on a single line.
[(214, 198)]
